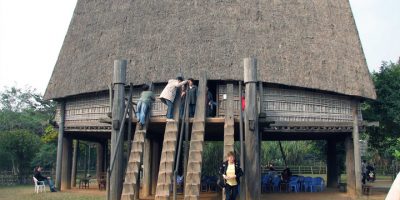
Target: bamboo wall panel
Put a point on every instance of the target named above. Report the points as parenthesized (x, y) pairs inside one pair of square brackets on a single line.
[(89, 109), (296, 105)]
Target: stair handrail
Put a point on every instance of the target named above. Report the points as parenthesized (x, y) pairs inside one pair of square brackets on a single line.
[(177, 162), (129, 138), (111, 167)]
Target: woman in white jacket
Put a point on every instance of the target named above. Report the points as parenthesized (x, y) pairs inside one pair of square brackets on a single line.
[(167, 96)]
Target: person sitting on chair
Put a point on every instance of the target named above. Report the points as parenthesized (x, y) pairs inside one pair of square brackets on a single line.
[(286, 174), (47, 180)]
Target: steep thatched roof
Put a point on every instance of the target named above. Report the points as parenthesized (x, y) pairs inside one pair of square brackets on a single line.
[(305, 43)]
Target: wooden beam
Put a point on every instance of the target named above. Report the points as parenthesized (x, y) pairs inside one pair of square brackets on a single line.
[(66, 164), (332, 176), (60, 144), (356, 143), (350, 171), (99, 159), (74, 163), (310, 124), (119, 78), (252, 142), (146, 187), (155, 160), (241, 136)]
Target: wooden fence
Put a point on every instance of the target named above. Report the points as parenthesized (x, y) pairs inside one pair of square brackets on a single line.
[(380, 170), (299, 169), (8, 178)]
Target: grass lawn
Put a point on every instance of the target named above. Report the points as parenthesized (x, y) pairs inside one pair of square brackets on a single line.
[(26, 192)]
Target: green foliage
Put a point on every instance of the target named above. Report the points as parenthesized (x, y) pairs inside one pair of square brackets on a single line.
[(18, 100), (296, 152), (212, 158), (20, 147), (386, 109), (46, 156), (50, 135), (24, 109), (24, 116)]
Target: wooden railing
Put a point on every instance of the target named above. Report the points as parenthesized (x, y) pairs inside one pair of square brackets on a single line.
[(299, 169), (9, 178)]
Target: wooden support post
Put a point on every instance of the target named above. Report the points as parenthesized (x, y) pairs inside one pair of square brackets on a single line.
[(356, 143), (242, 188), (146, 188), (332, 177), (99, 159), (117, 115), (66, 164), (261, 111), (252, 142), (60, 144), (350, 171), (155, 162), (106, 156), (74, 163)]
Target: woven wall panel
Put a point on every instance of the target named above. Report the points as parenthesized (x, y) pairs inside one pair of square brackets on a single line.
[(297, 105)]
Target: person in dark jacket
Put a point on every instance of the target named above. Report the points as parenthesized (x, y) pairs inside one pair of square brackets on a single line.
[(192, 97), (38, 175), (211, 104), (231, 172)]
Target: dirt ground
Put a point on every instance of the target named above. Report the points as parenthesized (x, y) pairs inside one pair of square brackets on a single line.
[(379, 193), (329, 194)]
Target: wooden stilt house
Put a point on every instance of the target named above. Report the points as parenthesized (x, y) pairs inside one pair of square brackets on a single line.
[(309, 80)]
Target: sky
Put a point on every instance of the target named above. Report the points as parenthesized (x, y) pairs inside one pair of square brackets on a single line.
[(32, 33)]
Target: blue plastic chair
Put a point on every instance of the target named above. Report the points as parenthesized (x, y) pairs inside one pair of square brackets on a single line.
[(212, 183), (301, 180), (294, 185), (306, 185), (276, 181), (265, 183), (179, 183), (204, 184), (317, 182)]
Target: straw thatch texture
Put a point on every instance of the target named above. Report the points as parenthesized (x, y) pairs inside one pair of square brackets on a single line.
[(304, 43)]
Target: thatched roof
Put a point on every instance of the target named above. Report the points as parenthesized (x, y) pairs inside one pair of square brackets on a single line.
[(305, 43)]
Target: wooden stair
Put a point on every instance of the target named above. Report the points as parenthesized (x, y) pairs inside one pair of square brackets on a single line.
[(167, 162), (130, 187), (193, 175), (229, 126)]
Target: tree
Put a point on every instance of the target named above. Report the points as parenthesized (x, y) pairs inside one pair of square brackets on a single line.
[(20, 146), (24, 116), (46, 156), (386, 109), (24, 109), (296, 152)]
